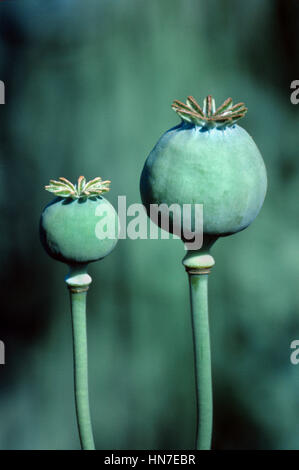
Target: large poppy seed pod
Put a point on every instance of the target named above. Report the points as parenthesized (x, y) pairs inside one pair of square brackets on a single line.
[(68, 223), (207, 159)]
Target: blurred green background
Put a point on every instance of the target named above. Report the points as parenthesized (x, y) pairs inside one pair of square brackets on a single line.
[(88, 91)]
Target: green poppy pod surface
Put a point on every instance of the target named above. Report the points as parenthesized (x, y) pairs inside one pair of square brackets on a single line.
[(218, 167), (79, 230)]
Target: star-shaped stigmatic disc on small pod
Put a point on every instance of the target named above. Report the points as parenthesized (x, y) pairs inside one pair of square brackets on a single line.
[(64, 188)]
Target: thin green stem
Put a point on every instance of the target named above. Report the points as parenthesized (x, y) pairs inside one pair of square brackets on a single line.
[(198, 264), (78, 282), (78, 307), (202, 358)]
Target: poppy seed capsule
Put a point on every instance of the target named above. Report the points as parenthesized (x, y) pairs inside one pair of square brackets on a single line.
[(207, 159), (68, 223)]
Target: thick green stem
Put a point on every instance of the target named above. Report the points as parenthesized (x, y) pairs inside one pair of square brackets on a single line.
[(78, 282), (198, 267), (202, 358)]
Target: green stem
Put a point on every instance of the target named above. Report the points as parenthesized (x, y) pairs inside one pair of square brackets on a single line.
[(202, 359), (78, 282), (198, 266)]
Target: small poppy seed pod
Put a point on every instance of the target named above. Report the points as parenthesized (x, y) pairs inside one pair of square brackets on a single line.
[(68, 223), (68, 232)]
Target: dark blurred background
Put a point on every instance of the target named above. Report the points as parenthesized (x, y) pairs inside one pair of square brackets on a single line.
[(88, 91)]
